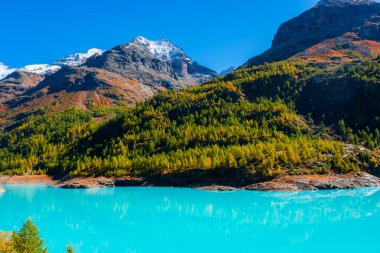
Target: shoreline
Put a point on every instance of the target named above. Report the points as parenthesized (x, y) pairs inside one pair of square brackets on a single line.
[(284, 183)]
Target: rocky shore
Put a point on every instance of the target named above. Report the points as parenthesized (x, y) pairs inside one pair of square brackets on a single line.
[(318, 182), (280, 184), (2, 190)]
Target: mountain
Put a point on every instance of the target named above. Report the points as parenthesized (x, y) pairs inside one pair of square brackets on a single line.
[(326, 62), (154, 63), (227, 71), (14, 82), (126, 74), (328, 20)]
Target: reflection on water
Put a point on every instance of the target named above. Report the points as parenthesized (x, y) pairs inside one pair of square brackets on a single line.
[(185, 220)]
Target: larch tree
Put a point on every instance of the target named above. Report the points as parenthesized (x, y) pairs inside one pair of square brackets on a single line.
[(28, 239)]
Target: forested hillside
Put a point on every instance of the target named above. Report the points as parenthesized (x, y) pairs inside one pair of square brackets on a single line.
[(348, 92), (248, 119)]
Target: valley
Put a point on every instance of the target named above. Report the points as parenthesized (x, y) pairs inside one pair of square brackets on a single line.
[(145, 109)]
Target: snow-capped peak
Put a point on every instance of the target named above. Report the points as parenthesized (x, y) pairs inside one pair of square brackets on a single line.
[(41, 69), (78, 58), (46, 69), (161, 49)]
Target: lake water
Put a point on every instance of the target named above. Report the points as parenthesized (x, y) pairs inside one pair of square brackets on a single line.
[(185, 220)]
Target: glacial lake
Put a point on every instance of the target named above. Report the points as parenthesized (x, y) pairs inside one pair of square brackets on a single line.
[(186, 220)]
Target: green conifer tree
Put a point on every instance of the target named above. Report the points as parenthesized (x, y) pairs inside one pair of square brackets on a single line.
[(28, 239)]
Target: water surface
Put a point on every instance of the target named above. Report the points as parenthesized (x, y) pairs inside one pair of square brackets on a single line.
[(186, 220)]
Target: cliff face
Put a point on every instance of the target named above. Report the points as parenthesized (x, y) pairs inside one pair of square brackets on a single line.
[(327, 20), (153, 63)]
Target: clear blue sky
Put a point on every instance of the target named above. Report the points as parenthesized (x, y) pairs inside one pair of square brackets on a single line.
[(216, 33)]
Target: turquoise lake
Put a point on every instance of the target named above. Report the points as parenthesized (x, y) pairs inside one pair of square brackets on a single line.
[(187, 220)]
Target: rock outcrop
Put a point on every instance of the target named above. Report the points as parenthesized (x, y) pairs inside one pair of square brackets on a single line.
[(17, 83), (317, 182)]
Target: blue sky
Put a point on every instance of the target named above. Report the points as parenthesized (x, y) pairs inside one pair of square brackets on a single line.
[(216, 33)]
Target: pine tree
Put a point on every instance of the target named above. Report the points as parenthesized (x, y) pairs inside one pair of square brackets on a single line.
[(28, 240), (70, 249), (342, 127)]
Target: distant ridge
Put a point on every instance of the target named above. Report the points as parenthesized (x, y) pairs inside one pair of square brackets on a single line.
[(344, 2)]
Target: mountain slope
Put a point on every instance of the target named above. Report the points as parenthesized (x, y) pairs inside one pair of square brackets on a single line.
[(329, 66), (17, 83), (327, 20), (344, 49), (346, 92)]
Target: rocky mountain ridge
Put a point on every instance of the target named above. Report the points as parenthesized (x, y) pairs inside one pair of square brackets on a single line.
[(47, 69), (333, 3), (15, 82), (329, 19), (126, 74)]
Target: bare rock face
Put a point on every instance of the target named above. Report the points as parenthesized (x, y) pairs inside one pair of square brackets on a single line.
[(1, 190), (327, 20), (153, 63), (17, 83)]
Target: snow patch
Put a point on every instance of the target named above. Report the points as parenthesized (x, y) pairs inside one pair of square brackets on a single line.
[(78, 58), (161, 49), (41, 69), (46, 69)]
